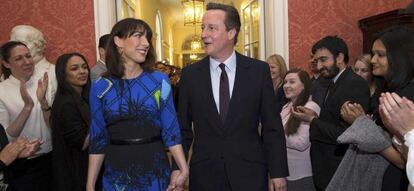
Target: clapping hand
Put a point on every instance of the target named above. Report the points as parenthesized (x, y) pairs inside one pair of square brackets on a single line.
[(304, 113), (397, 113), (351, 111), (32, 146), (28, 101), (42, 88)]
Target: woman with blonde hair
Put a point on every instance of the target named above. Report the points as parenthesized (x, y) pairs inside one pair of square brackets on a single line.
[(363, 67), (278, 71)]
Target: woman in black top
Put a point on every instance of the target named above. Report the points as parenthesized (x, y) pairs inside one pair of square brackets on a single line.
[(70, 123)]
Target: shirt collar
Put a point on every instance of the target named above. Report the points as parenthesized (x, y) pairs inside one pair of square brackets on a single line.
[(337, 76), (17, 81), (230, 63), (100, 60)]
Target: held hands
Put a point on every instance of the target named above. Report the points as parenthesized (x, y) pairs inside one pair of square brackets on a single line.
[(178, 178), (396, 113), (351, 111), (277, 184), (304, 113)]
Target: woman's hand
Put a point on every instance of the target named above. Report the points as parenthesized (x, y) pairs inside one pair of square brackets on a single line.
[(31, 148), (12, 150), (28, 101), (351, 111), (42, 88), (397, 113)]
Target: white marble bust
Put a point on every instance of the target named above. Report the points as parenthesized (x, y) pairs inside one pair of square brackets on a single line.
[(36, 43)]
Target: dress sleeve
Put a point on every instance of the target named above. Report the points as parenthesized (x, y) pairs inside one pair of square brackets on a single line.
[(170, 130), (98, 135)]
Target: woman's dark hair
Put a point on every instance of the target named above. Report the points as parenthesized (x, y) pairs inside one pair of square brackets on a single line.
[(293, 123), (64, 88), (125, 29), (399, 45), (5, 53)]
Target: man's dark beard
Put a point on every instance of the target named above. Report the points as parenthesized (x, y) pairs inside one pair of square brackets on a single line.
[(331, 72)]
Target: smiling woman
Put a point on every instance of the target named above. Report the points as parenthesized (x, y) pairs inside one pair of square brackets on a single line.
[(24, 111), (297, 86), (70, 123), (133, 118)]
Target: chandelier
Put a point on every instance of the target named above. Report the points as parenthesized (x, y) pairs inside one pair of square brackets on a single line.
[(193, 12), (196, 42)]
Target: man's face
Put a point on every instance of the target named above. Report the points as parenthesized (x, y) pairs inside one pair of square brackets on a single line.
[(326, 63), (218, 42)]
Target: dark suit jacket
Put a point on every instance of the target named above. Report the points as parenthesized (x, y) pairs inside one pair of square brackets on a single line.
[(318, 89), (234, 149), (3, 142), (326, 153), (70, 124)]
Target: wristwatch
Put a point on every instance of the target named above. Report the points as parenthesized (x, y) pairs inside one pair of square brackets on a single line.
[(48, 108)]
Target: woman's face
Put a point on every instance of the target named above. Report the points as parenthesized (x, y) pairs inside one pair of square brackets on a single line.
[(20, 63), (135, 47), (379, 59), (292, 86), (77, 72), (362, 70), (274, 69)]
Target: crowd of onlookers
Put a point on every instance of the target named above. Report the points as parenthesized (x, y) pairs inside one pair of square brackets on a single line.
[(345, 126)]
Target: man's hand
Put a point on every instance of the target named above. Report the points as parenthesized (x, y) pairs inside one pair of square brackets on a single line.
[(304, 113), (351, 111), (277, 184)]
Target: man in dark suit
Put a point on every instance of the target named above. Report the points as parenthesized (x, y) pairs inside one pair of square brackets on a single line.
[(331, 56), (319, 84), (225, 96)]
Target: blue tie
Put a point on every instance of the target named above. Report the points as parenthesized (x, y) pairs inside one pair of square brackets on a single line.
[(224, 99)]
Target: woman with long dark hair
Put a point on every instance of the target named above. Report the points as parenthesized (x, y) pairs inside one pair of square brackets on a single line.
[(24, 111), (133, 117), (70, 123), (393, 60), (297, 86)]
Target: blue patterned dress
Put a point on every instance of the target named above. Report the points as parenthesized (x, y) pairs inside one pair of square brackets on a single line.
[(131, 109)]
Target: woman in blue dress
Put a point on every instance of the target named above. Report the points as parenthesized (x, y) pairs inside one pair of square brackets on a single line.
[(133, 118)]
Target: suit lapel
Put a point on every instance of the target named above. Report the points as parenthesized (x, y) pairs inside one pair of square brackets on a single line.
[(240, 80), (338, 82), (207, 93)]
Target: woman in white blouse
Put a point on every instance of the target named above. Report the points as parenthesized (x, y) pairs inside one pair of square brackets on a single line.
[(297, 87), (24, 111)]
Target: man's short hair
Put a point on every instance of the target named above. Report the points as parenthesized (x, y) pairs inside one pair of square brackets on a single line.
[(232, 20), (103, 41), (334, 44)]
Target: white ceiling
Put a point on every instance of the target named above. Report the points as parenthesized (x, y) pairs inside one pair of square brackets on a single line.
[(175, 8)]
